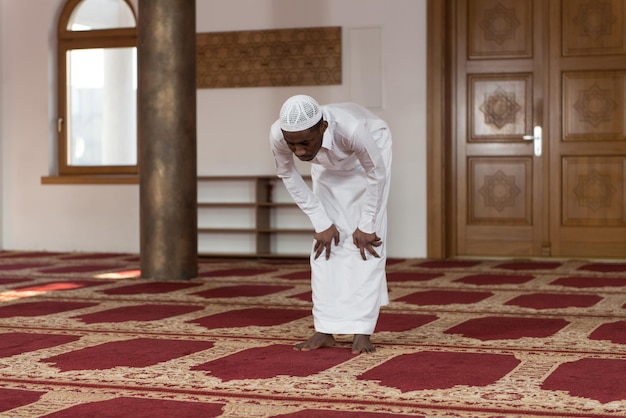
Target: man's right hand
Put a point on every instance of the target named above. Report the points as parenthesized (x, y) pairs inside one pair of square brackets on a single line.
[(324, 240)]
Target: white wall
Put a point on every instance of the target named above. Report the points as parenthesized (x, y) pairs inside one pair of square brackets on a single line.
[(232, 123)]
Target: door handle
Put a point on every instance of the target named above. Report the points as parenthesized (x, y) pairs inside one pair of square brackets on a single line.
[(536, 138)]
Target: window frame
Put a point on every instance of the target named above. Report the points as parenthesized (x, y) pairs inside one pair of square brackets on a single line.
[(68, 40)]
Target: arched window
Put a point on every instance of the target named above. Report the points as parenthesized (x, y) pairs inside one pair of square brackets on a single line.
[(97, 88)]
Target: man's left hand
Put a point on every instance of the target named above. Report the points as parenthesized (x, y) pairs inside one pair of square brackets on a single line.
[(365, 241)]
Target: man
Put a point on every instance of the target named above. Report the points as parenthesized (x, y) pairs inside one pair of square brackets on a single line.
[(349, 149)]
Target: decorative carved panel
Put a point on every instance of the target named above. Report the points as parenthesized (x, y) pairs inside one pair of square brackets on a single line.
[(594, 27), (593, 106), (500, 107), (281, 57), (499, 28), (593, 191), (499, 190)]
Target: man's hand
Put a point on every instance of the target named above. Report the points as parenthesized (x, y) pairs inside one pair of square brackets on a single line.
[(367, 242), (324, 240)]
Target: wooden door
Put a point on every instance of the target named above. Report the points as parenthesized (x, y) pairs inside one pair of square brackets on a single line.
[(500, 89), (588, 153), (538, 137)]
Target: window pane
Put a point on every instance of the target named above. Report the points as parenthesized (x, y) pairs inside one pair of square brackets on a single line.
[(101, 14), (102, 104)]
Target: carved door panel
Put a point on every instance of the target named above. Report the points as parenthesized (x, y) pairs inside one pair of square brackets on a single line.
[(561, 192)]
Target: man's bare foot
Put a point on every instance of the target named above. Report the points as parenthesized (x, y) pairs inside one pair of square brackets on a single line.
[(362, 344), (318, 340)]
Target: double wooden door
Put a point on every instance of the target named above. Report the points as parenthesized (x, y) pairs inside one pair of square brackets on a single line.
[(538, 139)]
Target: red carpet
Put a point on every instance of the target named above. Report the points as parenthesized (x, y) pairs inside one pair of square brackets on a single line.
[(81, 335)]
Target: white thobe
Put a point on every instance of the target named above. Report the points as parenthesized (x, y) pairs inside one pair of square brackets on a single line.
[(350, 178)]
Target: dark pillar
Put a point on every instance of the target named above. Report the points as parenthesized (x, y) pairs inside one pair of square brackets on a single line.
[(167, 139)]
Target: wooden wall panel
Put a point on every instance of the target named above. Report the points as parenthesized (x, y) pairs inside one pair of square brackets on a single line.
[(277, 57)]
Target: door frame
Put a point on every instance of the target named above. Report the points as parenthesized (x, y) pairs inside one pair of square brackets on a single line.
[(439, 127)]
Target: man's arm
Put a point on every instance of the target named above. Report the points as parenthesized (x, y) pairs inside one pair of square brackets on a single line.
[(300, 192), (373, 162), (370, 156)]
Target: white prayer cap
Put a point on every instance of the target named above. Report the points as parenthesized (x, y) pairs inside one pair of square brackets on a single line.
[(299, 113)]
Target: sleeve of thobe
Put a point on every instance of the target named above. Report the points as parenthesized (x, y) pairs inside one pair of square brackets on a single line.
[(300, 192), (364, 146)]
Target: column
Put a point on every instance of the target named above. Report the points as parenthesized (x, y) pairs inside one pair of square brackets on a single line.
[(167, 139)]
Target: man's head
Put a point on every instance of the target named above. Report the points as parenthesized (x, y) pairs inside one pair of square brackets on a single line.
[(303, 126)]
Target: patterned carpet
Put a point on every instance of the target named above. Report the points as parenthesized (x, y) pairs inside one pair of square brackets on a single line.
[(81, 335)]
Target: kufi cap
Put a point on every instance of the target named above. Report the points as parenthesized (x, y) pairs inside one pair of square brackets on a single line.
[(299, 113)]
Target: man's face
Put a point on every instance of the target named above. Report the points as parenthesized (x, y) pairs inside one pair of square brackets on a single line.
[(305, 144)]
